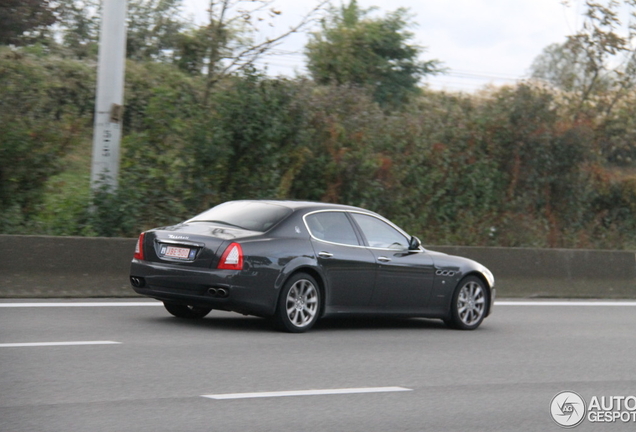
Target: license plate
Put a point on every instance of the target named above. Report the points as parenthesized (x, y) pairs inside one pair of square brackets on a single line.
[(177, 252)]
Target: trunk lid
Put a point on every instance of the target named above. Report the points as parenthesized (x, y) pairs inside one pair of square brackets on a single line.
[(194, 244)]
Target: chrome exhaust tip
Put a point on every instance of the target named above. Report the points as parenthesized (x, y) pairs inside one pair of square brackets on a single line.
[(218, 292), (137, 282)]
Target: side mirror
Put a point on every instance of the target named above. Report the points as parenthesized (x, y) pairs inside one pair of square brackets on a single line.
[(414, 243)]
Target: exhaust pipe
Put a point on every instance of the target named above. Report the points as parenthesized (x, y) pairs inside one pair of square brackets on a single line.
[(218, 292), (137, 282)]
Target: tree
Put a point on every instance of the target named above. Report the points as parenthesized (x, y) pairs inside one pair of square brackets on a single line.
[(153, 27), (79, 27), (562, 67), (18, 17), (596, 66), (229, 44), (42, 114), (596, 70), (353, 48)]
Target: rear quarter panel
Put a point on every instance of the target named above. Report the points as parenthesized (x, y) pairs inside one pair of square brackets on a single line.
[(268, 263)]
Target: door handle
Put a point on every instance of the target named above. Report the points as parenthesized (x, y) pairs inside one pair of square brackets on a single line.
[(324, 254), (384, 259)]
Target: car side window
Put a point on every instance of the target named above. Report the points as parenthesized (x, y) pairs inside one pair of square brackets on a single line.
[(380, 234), (332, 227)]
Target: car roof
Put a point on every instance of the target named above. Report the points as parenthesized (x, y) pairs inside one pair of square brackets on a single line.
[(310, 205)]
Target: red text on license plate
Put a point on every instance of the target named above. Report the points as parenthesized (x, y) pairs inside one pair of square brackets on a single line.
[(177, 252)]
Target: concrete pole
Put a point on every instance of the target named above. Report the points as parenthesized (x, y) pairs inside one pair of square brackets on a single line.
[(110, 94)]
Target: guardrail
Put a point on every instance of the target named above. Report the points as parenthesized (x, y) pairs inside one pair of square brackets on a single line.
[(45, 266)]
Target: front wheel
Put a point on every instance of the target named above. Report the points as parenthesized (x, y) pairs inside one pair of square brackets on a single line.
[(186, 311), (299, 304), (468, 307)]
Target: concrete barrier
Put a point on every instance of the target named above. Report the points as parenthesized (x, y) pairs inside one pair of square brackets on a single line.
[(564, 273), (44, 266)]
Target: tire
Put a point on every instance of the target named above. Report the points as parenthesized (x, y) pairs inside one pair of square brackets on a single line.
[(186, 311), (299, 304), (468, 307)]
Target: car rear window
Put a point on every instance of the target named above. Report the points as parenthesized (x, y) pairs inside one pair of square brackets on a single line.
[(253, 216)]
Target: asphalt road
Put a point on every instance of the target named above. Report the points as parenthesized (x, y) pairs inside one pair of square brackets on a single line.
[(139, 369)]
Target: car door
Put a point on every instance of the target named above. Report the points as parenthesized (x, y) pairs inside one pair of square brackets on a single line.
[(404, 279), (349, 267)]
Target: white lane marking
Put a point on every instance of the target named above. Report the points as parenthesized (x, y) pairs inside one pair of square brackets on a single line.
[(307, 392), (565, 303), (79, 304), (42, 344)]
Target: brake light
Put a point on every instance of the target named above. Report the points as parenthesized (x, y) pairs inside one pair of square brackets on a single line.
[(139, 248), (232, 258)]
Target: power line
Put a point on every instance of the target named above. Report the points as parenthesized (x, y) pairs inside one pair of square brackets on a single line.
[(286, 62), (483, 75)]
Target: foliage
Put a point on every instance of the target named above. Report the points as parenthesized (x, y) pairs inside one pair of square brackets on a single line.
[(595, 71), (248, 144), (42, 116), (507, 167), (340, 156), (443, 158), (542, 157), (22, 21), (524, 165), (616, 134), (596, 65), (152, 185), (229, 43), (153, 28), (78, 22), (352, 48), (562, 66)]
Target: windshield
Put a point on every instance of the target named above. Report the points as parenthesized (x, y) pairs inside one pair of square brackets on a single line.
[(249, 215)]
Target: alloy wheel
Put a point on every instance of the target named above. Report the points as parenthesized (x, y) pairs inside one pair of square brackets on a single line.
[(301, 303), (471, 303)]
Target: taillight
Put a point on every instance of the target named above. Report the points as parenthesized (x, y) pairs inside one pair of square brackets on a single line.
[(232, 258), (139, 248)]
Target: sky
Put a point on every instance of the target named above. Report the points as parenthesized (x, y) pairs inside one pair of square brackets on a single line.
[(480, 42)]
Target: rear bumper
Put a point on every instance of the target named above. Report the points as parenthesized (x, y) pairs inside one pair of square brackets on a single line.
[(247, 292)]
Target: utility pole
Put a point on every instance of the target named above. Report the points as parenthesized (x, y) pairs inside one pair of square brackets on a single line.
[(110, 94)]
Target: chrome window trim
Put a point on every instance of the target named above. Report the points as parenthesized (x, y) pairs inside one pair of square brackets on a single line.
[(326, 241), (388, 222)]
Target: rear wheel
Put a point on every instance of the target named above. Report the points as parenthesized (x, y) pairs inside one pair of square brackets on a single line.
[(299, 304), (186, 311), (468, 308)]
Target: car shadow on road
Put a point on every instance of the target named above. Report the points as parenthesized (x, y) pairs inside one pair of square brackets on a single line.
[(235, 322), (377, 323), (225, 323)]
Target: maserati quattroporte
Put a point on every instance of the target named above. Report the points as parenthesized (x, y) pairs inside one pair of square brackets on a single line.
[(299, 261)]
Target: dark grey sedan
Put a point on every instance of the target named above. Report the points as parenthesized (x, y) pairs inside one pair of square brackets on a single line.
[(300, 261)]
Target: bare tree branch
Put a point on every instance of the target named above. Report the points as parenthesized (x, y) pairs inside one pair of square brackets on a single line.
[(223, 58)]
